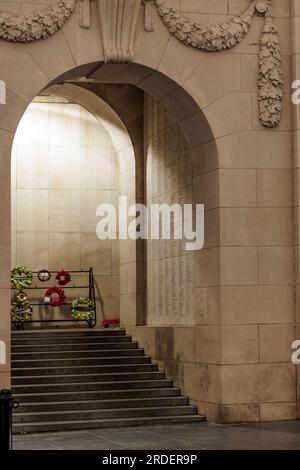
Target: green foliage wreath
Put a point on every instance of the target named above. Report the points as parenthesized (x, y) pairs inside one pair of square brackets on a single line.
[(83, 309), (21, 277), (21, 312)]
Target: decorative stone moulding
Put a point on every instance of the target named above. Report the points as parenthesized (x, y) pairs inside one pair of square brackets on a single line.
[(118, 23), (224, 36), (40, 24)]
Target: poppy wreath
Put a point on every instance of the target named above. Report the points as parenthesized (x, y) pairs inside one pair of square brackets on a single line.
[(63, 277), (83, 309), (21, 277), (61, 296), (21, 312)]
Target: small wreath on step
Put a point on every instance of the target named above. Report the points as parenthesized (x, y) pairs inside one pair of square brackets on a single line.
[(21, 312), (83, 309), (21, 298), (44, 275), (63, 277), (21, 277), (54, 301)]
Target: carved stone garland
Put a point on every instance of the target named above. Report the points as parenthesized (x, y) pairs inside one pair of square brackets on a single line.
[(27, 27), (220, 37), (118, 41)]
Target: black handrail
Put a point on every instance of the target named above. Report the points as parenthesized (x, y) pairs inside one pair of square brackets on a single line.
[(91, 287)]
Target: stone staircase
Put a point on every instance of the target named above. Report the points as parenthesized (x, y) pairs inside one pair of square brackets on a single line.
[(80, 379)]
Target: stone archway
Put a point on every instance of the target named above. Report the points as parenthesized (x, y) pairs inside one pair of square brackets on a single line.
[(238, 376), (192, 123)]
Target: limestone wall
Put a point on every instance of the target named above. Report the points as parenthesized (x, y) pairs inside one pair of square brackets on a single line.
[(63, 166)]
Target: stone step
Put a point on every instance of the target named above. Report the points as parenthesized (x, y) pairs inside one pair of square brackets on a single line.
[(104, 423), (90, 386), (66, 333), (82, 369), (20, 341), (103, 353), (85, 378), (36, 364), (103, 414), (62, 406), (45, 397), (73, 347)]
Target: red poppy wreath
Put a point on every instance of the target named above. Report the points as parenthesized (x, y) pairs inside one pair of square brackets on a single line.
[(57, 291), (63, 277)]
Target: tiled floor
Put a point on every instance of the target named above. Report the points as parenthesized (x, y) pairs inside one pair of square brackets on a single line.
[(285, 435)]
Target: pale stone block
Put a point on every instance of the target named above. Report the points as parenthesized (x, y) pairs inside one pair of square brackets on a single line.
[(32, 167), (11, 113), (78, 38), (206, 190), (239, 344), (238, 106), (237, 188), (274, 188), (96, 168), (240, 384), (164, 340), (207, 6), (275, 343), (128, 309), (20, 72), (13, 248), (238, 266), (277, 382), (217, 75), (64, 210), (207, 344), (257, 304), (210, 410), (64, 168), (35, 118), (64, 250), (210, 306), (184, 344), (32, 213), (50, 62), (196, 129), (241, 413), (64, 125), (92, 132), (207, 268), (146, 340), (275, 265), (90, 200), (278, 411), (202, 382), (189, 56), (149, 52), (32, 250), (96, 253), (255, 149), (212, 228), (260, 227)]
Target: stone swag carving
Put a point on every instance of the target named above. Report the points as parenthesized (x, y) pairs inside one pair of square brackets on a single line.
[(118, 20), (40, 24), (220, 37)]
